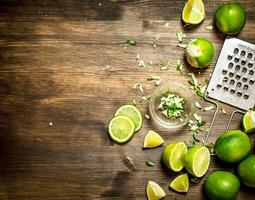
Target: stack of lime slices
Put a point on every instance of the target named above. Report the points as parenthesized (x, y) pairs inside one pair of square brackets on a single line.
[(127, 120)]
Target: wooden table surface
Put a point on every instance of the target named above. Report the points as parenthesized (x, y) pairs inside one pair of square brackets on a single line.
[(64, 62)]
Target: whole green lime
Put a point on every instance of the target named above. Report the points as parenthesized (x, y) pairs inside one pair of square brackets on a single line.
[(233, 146), (199, 53), (222, 185), (246, 171), (230, 18)]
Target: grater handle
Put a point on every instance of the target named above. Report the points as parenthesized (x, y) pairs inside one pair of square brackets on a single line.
[(213, 119), (231, 117)]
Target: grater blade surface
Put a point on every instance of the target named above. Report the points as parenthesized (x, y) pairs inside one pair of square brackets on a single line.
[(233, 79)]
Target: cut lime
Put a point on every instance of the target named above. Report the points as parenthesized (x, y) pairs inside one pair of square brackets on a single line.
[(197, 160), (193, 12), (121, 129), (154, 191), (173, 156), (249, 122), (152, 140), (180, 183), (133, 113)]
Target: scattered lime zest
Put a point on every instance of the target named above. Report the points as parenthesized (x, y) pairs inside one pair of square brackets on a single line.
[(179, 66), (180, 35), (208, 108), (157, 79), (184, 46), (131, 42), (149, 164), (198, 105), (223, 111), (138, 86), (146, 98)]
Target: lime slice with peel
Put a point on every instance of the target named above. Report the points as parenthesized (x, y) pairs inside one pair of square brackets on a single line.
[(193, 12), (132, 112), (180, 183), (121, 129), (249, 122), (173, 156), (152, 140), (154, 191), (197, 160)]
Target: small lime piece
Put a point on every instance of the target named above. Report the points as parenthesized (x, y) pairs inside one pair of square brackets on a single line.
[(173, 155), (197, 160), (222, 185), (200, 53), (152, 140), (154, 191), (246, 171), (249, 122), (132, 112), (121, 129), (180, 183), (233, 146), (193, 12), (230, 18)]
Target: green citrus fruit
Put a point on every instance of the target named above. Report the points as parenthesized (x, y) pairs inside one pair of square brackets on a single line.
[(152, 140), (173, 155), (121, 129), (233, 146), (193, 12), (180, 183), (246, 171), (249, 122), (154, 191), (197, 160), (132, 112), (199, 53), (222, 185), (230, 18)]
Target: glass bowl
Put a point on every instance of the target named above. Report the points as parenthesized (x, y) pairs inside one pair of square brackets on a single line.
[(189, 105)]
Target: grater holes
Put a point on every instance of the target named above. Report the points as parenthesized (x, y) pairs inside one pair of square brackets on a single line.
[(236, 50), (231, 74), (246, 96), (225, 88), (245, 87), (239, 94), (224, 71), (236, 60), (251, 72), (230, 57), (250, 65), (242, 53), (244, 70), (218, 86), (243, 62), (232, 82), (237, 68), (249, 55), (239, 84), (232, 91), (225, 79), (238, 77), (244, 79), (251, 82), (230, 65)]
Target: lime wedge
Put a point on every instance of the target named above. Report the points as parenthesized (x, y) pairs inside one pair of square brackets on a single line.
[(193, 12), (121, 129), (173, 156), (180, 183), (133, 113), (154, 191), (249, 122), (197, 160), (152, 140)]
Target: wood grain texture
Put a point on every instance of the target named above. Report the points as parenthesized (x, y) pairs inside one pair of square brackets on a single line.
[(53, 58)]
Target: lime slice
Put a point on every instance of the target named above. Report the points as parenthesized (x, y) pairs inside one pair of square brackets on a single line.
[(173, 156), (197, 160), (154, 191), (249, 122), (132, 112), (193, 12), (121, 129), (180, 183), (152, 140)]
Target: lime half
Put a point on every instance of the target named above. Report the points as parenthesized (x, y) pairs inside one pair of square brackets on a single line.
[(121, 129), (154, 191), (133, 113), (180, 183), (193, 12), (197, 160), (173, 156), (249, 122), (152, 140)]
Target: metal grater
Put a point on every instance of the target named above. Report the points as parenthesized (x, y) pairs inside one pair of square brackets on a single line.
[(233, 79)]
